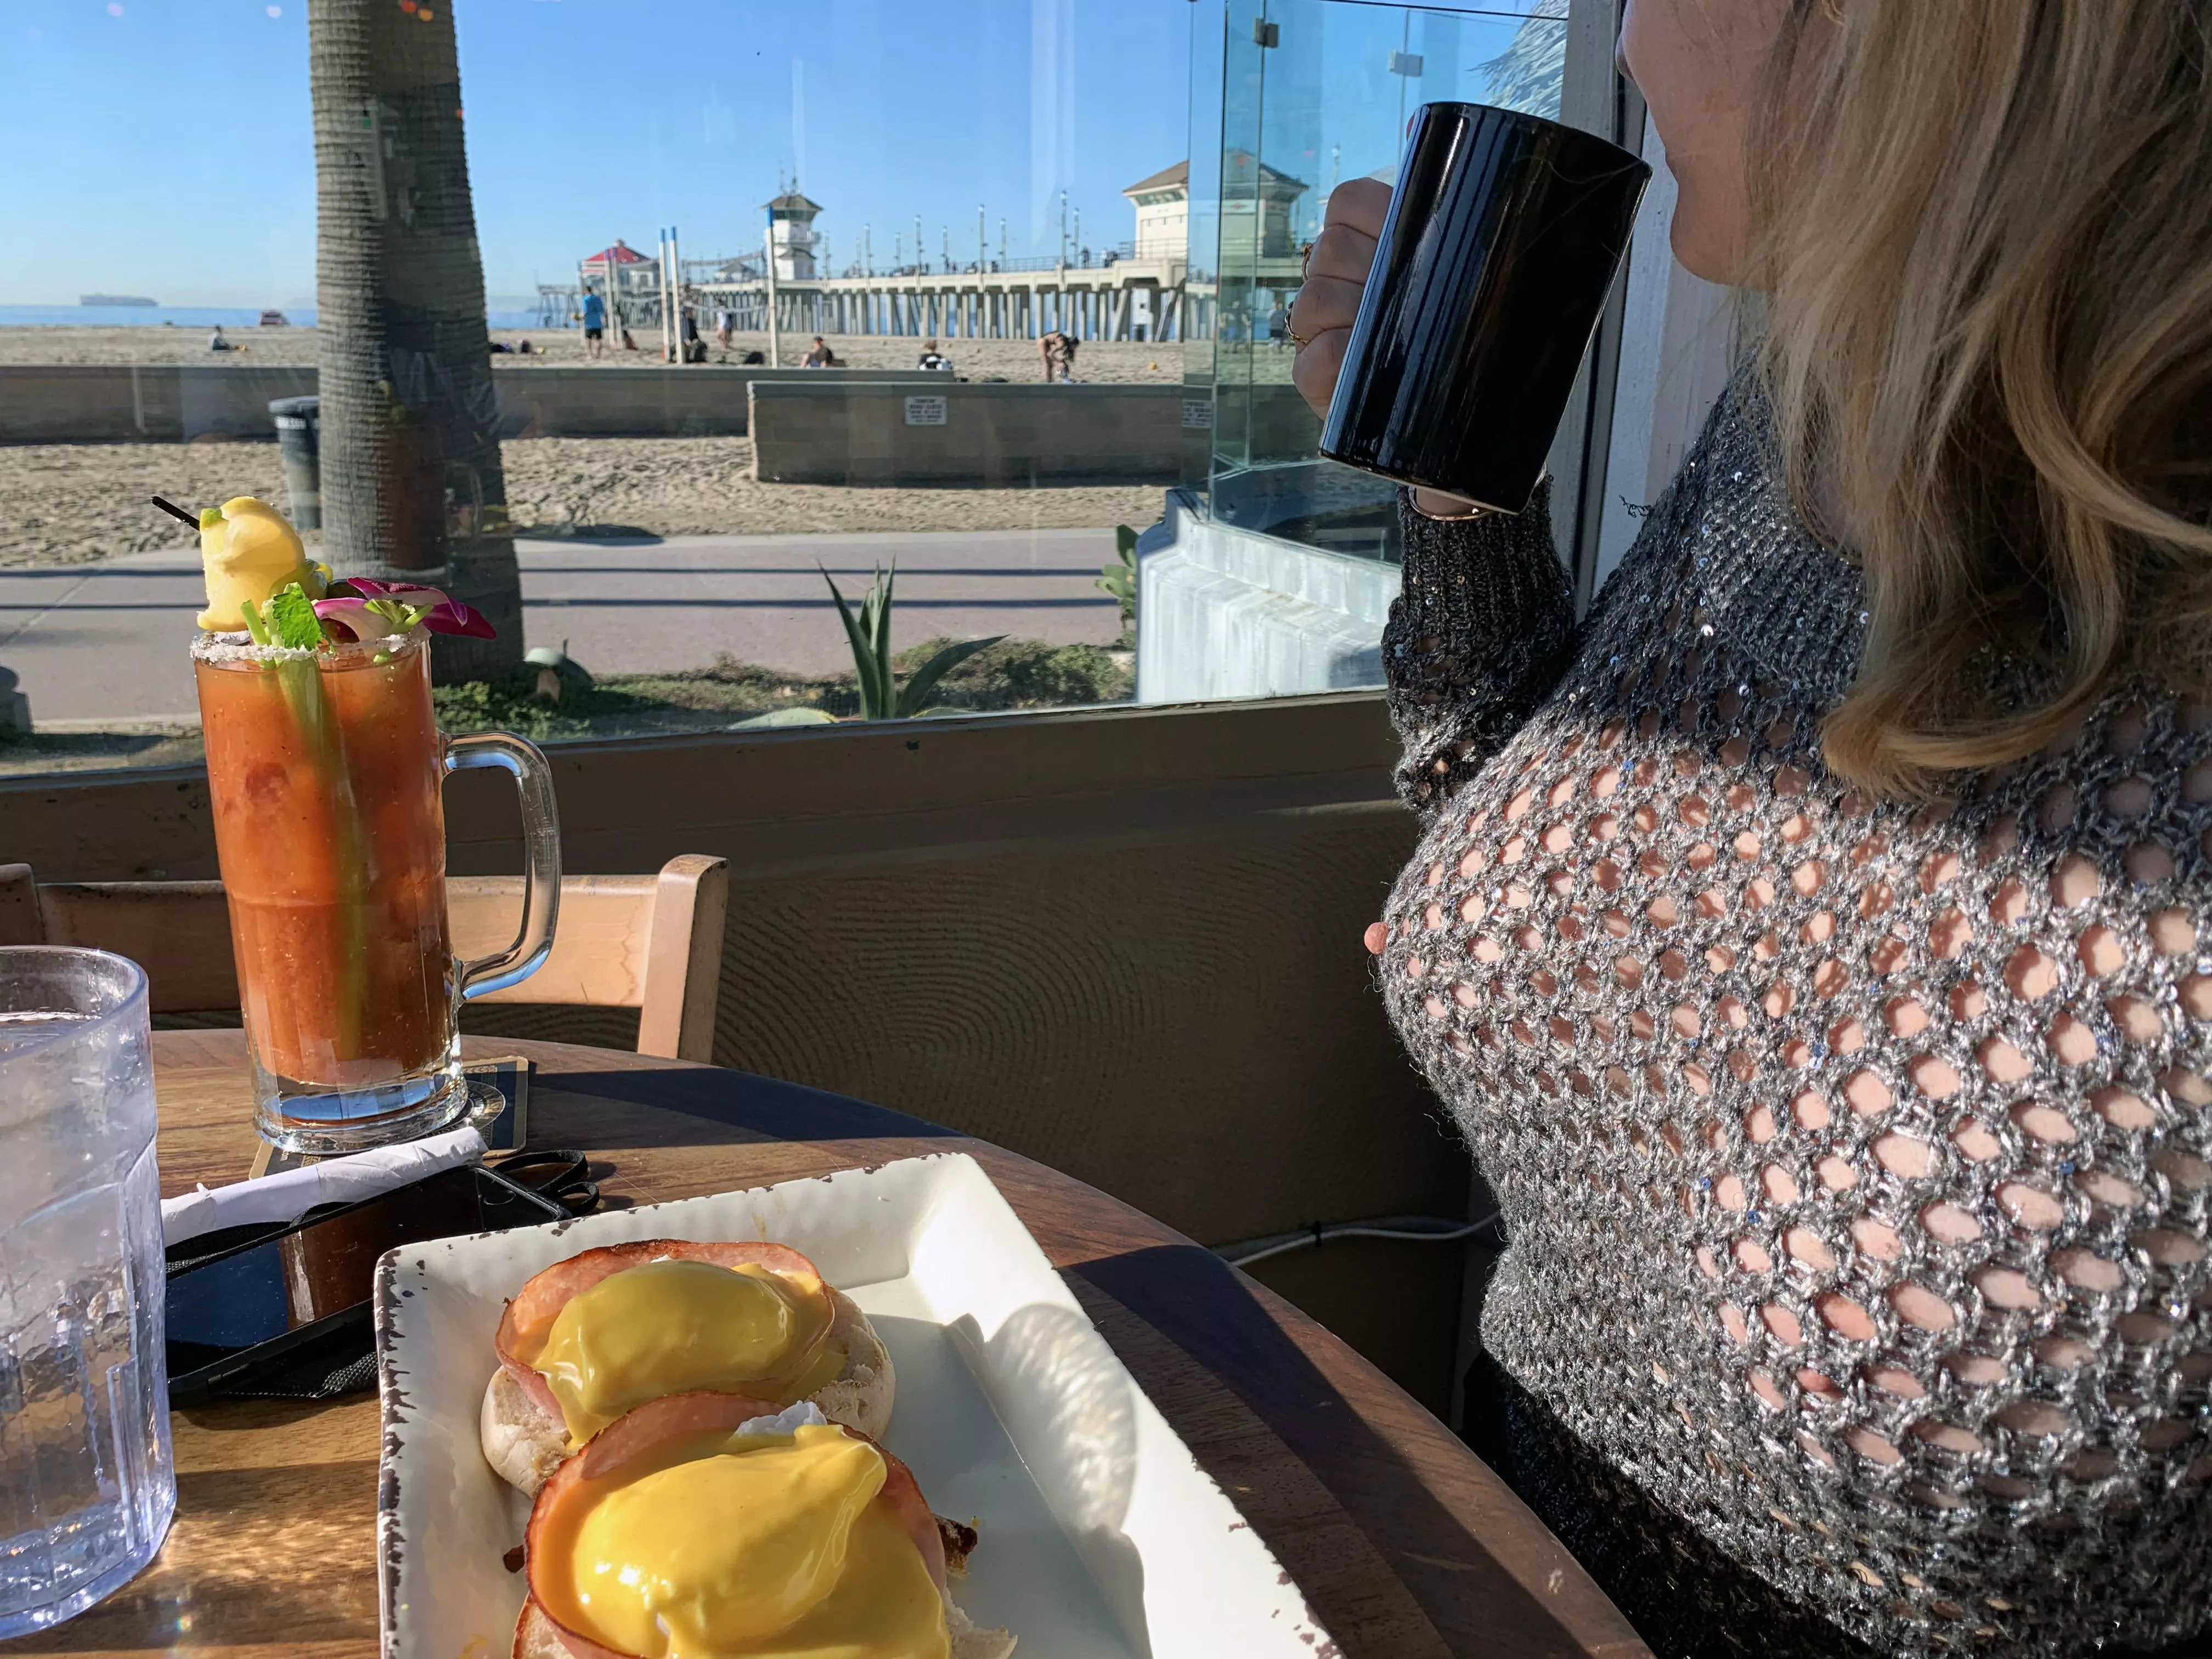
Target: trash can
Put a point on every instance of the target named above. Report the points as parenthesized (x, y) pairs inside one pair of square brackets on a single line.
[(299, 440)]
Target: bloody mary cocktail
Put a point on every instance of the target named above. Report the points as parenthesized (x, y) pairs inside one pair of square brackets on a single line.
[(332, 834), (325, 763)]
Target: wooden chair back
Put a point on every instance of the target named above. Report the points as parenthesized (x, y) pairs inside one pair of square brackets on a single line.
[(651, 943)]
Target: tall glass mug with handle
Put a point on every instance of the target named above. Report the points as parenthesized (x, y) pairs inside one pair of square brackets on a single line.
[(324, 767), (87, 1483)]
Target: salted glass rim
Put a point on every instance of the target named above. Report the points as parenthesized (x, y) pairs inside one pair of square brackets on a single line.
[(115, 989), (233, 651)]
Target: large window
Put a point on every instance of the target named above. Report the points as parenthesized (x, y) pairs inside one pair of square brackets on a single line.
[(641, 323)]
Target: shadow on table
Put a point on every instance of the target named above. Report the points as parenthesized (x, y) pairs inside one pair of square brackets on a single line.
[(1471, 1600), (209, 1586), (758, 1108)]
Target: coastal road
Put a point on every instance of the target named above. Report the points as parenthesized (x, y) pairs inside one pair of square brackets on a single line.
[(90, 644)]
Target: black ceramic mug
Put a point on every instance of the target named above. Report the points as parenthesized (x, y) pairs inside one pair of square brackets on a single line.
[(1503, 238)]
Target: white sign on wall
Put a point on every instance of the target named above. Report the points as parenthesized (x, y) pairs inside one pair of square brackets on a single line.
[(928, 410), (1197, 412)]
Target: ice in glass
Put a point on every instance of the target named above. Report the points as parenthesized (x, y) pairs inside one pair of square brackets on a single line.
[(87, 1483)]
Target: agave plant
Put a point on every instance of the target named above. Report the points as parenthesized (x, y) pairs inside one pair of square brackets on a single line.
[(882, 697), (1120, 578)]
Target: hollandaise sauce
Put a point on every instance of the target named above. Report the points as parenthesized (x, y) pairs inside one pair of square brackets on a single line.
[(747, 1547), (670, 1327)]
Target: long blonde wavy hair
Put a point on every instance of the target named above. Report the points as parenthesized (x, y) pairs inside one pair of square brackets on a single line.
[(1984, 235)]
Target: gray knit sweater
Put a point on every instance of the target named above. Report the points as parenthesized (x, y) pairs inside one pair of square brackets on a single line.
[(1854, 1157)]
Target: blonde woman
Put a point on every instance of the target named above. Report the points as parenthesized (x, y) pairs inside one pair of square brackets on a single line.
[(1813, 942)]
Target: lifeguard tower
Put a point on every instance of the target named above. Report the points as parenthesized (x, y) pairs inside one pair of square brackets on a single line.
[(792, 236)]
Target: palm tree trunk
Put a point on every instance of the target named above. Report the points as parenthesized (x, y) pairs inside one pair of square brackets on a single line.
[(412, 485)]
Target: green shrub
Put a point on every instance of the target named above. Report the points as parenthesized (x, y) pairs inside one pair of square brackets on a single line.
[(1028, 674), (1008, 674)]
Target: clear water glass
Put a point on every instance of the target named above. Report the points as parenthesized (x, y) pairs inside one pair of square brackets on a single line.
[(87, 1483)]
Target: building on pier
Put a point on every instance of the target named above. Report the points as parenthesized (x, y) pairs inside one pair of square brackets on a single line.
[(620, 273), (1162, 204), (1256, 204)]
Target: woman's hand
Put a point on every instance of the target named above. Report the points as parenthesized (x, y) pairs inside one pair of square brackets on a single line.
[(1329, 303), (1336, 276)]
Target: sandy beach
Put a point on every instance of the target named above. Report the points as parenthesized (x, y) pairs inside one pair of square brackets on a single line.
[(82, 503), (1113, 362)]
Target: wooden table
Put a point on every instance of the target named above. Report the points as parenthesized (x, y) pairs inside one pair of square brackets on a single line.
[(1405, 1544)]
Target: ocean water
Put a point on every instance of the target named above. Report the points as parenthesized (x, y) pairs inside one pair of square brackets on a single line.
[(188, 317)]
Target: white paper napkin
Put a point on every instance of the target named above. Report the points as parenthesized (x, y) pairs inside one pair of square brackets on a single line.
[(288, 1196)]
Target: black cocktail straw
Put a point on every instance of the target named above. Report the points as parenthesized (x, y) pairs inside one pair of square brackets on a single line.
[(176, 511)]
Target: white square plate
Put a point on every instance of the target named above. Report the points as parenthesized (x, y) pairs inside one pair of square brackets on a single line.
[(1101, 1537)]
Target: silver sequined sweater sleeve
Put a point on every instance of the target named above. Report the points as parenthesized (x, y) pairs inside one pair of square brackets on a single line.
[(1480, 631)]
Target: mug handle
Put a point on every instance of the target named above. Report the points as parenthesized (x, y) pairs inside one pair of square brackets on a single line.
[(541, 864)]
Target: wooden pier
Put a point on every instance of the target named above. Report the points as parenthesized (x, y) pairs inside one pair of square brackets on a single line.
[(1128, 300)]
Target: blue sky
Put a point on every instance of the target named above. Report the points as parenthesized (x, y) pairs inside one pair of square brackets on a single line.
[(168, 147)]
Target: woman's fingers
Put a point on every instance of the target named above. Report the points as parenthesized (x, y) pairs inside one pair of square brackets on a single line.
[(1336, 276), (1360, 204), (1341, 251), (1314, 369), (1324, 303)]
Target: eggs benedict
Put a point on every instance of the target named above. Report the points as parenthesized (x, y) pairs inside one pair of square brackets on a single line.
[(710, 1526), (594, 1337)]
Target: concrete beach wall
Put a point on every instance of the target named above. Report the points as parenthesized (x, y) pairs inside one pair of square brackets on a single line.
[(976, 434), (79, 404), (699, 400), (120, 403)]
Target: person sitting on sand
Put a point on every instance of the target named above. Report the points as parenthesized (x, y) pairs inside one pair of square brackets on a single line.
[(819, 355), (217, 343), (932, 359)]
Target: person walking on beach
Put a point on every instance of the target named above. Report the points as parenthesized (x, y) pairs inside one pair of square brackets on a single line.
[(595, 323), (725, 324)]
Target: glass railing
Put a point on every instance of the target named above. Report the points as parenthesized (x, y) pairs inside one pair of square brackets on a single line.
[(1287, 103)]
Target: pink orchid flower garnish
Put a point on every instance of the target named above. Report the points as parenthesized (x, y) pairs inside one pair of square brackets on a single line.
[(369, 609)]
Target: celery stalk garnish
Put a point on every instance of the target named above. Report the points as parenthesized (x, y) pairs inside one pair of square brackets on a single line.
[(289, 621)]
